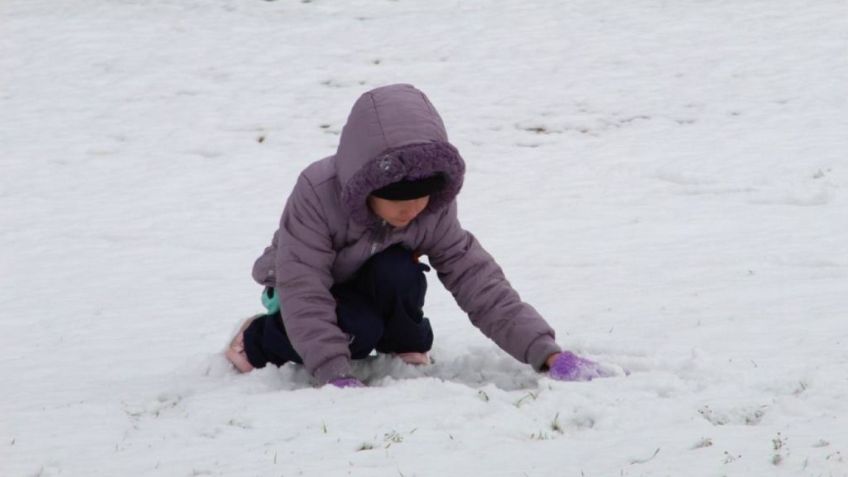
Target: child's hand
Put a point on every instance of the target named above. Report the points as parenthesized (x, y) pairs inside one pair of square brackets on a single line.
[(567, 366), (347, 383)]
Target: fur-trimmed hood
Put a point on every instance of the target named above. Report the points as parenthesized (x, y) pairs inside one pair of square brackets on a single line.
[(394, 133)]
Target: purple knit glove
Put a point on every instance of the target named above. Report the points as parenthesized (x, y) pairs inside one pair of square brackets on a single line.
[(568, 366), (347, 383)]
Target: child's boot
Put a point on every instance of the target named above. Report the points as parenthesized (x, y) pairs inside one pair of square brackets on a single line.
[(235, 351)]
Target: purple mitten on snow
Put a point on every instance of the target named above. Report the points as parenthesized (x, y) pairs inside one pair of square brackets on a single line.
[(347, 383), (568, 366)]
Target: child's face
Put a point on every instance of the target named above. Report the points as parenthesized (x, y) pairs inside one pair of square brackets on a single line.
[(399, 213)]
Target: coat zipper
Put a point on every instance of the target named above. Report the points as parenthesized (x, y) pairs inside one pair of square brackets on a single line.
[(383, 235)]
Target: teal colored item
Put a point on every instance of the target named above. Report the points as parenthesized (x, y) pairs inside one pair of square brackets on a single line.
[(270, 300)]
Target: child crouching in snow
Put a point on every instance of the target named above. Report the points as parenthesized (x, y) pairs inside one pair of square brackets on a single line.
[(342, 275)]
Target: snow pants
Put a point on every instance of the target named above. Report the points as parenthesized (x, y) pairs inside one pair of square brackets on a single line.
[(380, 308)]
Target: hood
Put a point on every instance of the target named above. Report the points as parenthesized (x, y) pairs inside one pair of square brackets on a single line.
[(394, 133)]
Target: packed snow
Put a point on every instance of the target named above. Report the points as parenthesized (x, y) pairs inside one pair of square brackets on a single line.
[(666, 182)]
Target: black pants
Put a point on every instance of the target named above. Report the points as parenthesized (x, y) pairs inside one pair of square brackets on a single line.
[(380, 308)]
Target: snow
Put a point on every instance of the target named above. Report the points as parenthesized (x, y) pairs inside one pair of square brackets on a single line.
[(664, 181)]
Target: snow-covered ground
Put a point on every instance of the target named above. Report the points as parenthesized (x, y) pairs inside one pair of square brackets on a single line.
[(667, 182)]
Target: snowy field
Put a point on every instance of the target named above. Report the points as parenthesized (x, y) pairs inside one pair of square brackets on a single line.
[(667, 182)]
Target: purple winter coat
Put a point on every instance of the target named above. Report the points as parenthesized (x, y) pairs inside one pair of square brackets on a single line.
[(327, 232)]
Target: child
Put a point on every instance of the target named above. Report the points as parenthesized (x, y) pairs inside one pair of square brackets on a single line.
[(342, 275)]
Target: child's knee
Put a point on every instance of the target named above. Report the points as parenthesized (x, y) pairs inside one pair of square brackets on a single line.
[(397, 267), (407, 337)]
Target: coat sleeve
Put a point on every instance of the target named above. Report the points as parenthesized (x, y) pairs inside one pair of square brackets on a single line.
[(480, 288), (303, 267)]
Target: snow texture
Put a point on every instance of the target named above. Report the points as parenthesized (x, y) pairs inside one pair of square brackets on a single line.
[(666, 182)]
